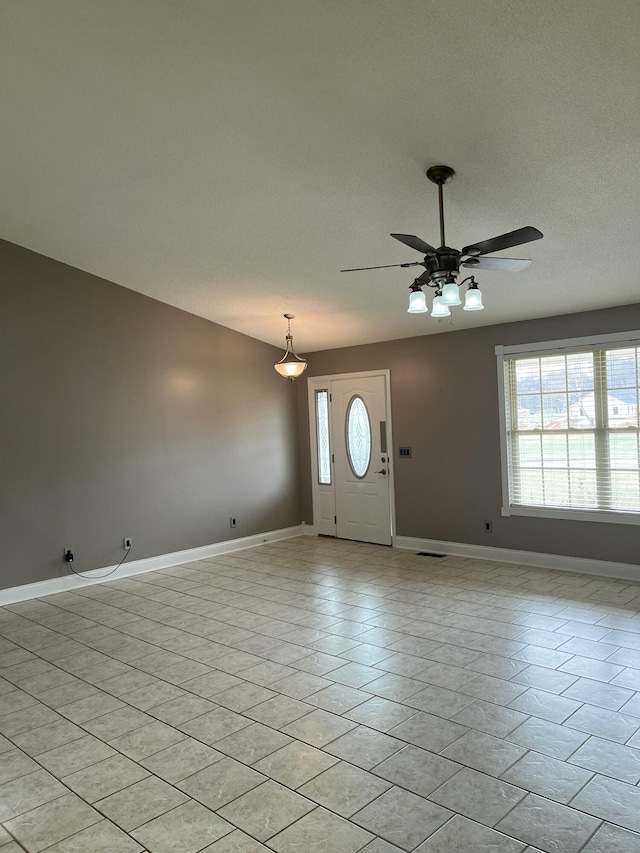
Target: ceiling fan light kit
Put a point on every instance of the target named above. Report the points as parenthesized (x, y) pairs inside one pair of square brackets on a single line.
[(417, 300), (290, 365), (442, 265), (450, 295), (439, 309), (473, 298)]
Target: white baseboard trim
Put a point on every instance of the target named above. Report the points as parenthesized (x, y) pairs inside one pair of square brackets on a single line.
[(308, 529), (69, 582), (583, 565)]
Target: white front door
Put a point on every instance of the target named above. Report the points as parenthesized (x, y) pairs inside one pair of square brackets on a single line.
[(351, 452)]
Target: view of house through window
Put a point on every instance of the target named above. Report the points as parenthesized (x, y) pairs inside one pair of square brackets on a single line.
[(572, 429)]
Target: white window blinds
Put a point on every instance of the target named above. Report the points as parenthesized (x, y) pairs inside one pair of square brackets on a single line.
[(572, 432)]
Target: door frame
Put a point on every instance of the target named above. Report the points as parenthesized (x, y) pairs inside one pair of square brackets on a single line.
[(320, 383)]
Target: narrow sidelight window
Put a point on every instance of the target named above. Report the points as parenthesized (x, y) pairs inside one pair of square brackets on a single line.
[(322, 434)]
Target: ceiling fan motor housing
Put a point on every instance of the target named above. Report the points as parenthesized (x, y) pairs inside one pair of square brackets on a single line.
[(444, 264)]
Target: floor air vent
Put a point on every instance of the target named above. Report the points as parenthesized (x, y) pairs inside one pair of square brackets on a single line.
[(429, 554)]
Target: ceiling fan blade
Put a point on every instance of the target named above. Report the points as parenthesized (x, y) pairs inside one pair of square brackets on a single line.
[(425, 278), (384, 267), (505, 264), (415, 243), (504, 241)]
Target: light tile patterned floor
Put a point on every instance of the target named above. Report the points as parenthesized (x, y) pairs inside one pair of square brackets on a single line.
[(324, 696)]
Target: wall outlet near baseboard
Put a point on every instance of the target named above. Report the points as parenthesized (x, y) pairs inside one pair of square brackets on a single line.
[(488, 527), (233, 521), (127, 543)]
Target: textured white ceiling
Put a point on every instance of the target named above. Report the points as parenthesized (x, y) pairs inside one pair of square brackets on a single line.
[(230, 156)]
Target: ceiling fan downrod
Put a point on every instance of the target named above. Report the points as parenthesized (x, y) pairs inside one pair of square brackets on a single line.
[(441, 175)]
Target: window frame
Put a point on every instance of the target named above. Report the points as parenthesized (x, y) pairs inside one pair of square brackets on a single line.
[(548, 348)]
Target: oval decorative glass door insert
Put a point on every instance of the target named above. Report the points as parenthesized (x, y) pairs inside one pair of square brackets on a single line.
[(358, 436)]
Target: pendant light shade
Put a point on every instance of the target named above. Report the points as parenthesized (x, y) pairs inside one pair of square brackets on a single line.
[(440, 310), (417, 301), (473, 299), (290, 365), (450, 295)]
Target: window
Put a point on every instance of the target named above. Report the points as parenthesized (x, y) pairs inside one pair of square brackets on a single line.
[(322, 432), (570, 428), (358, 434)]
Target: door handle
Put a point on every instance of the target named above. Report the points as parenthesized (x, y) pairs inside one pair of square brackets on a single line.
[(383, 471)]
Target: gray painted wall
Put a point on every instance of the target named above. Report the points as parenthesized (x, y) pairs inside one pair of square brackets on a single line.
[(444, 394), (122, 416)]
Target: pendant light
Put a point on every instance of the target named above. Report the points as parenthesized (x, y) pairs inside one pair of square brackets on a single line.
[(290, 365)]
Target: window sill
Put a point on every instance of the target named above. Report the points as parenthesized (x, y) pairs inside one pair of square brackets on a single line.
[(572, 514)]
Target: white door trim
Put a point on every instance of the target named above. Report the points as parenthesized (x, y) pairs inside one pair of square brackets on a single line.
[(319, 383)]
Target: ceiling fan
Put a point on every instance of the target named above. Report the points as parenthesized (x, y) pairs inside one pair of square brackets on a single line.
[(442, 265)]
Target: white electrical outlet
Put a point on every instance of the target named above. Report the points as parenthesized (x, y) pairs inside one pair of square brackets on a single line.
[(127, 543)]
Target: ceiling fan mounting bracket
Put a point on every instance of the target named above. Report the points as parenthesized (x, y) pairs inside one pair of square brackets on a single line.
[(440, 174)]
